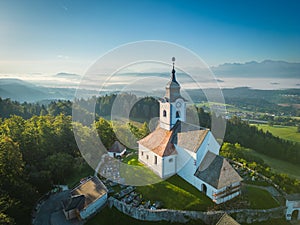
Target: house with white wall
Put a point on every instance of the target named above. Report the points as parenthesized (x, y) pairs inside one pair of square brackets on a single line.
[(292, 207), (85, 199), (116, 150), (192, 152)]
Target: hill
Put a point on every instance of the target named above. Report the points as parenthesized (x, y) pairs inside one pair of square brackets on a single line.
[(23, 91)]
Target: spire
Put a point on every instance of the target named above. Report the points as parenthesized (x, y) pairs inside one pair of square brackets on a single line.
[(173, 71), (173, 87)]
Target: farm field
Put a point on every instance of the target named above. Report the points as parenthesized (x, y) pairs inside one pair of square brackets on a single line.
[(279, 166), (284, 132)]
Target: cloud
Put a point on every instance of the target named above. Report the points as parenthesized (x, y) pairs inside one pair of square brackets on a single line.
[(63, 57)]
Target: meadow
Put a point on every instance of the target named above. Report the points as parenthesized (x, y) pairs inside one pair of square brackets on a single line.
[(279, 166), (285, 132)]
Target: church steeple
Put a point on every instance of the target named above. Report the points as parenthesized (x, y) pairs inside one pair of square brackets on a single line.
[(173, 78), (172, 106), (173, 87)]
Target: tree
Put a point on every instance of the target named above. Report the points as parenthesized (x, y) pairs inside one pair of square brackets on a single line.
[(64, 135), (105, 131), (144, 130), (60, 165), (13, 181), (5, 204), (11, 163)]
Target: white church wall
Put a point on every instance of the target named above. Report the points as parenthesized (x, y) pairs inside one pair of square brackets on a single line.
[(227, 198), (213, 145), (181, 110), (201, 152), (188, 170), (210, 190), (165, 120), (183, 156), (150, 159), (221, 199), (169, 166), (142, 153), (199, 184), (208, 144)]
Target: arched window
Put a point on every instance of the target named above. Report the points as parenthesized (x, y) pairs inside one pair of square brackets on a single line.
[(203, 188), (164, 113), (177, 114), (295, 215)]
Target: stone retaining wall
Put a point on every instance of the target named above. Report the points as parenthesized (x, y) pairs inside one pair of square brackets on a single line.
[(211, 217)]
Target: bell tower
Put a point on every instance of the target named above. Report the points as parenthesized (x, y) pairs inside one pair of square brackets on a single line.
[(172, 107)]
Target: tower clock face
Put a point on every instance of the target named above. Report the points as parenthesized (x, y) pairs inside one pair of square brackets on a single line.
[(178, 104)]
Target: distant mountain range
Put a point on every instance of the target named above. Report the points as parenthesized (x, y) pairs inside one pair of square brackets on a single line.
[(22, 91), (264, 69), (67, 75), (63, 85)]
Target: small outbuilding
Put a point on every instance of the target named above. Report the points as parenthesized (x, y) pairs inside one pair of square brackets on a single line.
[(117, 150), (293, 207), (85, 199), (72, 206)]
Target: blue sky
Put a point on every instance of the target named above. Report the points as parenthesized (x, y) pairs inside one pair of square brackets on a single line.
[(63, 35)]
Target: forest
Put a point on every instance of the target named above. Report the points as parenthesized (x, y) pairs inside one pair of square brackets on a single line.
[(38, 148)]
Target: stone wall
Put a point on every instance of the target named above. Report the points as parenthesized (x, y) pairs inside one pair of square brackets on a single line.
[(211, 217)]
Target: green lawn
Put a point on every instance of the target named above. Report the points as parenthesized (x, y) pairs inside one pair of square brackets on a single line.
[(257, 183), (284, 132), (132, 159), (259, 198), (176, 193), (280, 166), (113, 216), (135, 173)]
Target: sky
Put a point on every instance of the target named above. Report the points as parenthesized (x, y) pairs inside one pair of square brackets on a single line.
[(48, 37)]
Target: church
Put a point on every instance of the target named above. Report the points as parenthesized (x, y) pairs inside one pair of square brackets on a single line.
[(192, 152)]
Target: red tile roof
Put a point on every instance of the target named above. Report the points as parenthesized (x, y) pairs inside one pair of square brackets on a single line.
[(162, 141)]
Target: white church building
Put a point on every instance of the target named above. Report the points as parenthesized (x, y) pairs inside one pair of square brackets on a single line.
[(192, 152)]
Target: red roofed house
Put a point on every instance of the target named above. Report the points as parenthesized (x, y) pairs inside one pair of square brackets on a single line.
[(192, 152)]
